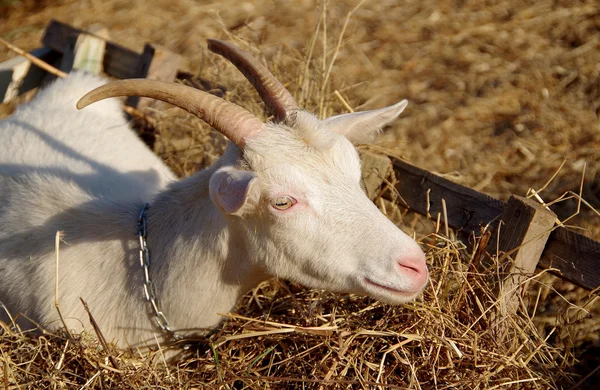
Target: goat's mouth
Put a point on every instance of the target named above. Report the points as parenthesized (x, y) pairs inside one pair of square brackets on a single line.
[(405, 294)]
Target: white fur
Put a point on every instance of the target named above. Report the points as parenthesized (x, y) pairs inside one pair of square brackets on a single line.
[(212, 236)]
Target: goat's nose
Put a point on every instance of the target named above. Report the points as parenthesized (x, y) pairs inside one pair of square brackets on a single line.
[(415, 268)]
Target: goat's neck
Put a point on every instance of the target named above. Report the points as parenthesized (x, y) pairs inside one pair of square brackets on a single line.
[(198, 267)]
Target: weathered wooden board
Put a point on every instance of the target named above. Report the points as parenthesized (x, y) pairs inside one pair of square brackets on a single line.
[(517, 244), (119, 61), (18, 75), (467, 209), (576, 257), (86, 51), (375, 169)]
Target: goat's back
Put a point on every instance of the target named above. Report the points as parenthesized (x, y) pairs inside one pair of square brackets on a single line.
[(94, 147)]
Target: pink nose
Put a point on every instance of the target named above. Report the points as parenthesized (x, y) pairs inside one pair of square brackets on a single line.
[(415, 268)]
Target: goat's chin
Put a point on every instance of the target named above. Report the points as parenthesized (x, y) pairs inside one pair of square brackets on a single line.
[(387, 294)]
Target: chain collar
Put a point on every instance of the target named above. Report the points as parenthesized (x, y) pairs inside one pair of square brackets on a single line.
[(149, 292)]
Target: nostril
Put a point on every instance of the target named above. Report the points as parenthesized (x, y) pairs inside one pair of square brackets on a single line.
[(412, 271), (413, 264), (409, 267)]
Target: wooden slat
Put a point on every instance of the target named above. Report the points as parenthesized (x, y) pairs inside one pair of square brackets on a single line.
[(576, 257), (375, 169), (86, 52), (119, 61), (18, 75), (517, 246), (467, 209)]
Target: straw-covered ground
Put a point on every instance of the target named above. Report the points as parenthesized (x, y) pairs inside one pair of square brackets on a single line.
[(502, 93)]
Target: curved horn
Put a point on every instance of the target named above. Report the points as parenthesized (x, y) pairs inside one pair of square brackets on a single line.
[(277, 98), (231, 120)]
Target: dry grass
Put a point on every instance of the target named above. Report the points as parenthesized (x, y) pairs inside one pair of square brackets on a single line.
[(502, 93), (284, 336)]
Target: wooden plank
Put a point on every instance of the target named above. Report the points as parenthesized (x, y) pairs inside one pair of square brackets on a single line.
[(118, 61), (375, 169), (467, 209), (86, 51), (516, 248), (576, 257), (18, 75), (155, 63)]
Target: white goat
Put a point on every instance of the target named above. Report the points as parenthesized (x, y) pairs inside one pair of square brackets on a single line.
[(285, 200)]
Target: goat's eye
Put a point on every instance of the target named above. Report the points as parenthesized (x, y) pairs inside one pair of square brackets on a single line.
[(283, 202)]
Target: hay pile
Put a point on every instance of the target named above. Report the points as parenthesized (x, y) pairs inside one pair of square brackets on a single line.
[(283, 336), (500, 95)]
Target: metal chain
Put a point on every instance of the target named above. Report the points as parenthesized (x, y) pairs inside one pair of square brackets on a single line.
[(149, 292)]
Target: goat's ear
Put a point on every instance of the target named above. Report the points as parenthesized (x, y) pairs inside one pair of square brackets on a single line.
[(361, 127), (233, 190)]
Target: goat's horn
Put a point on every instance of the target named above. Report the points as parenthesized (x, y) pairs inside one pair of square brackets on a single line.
[(277, 98), (232, 120)]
